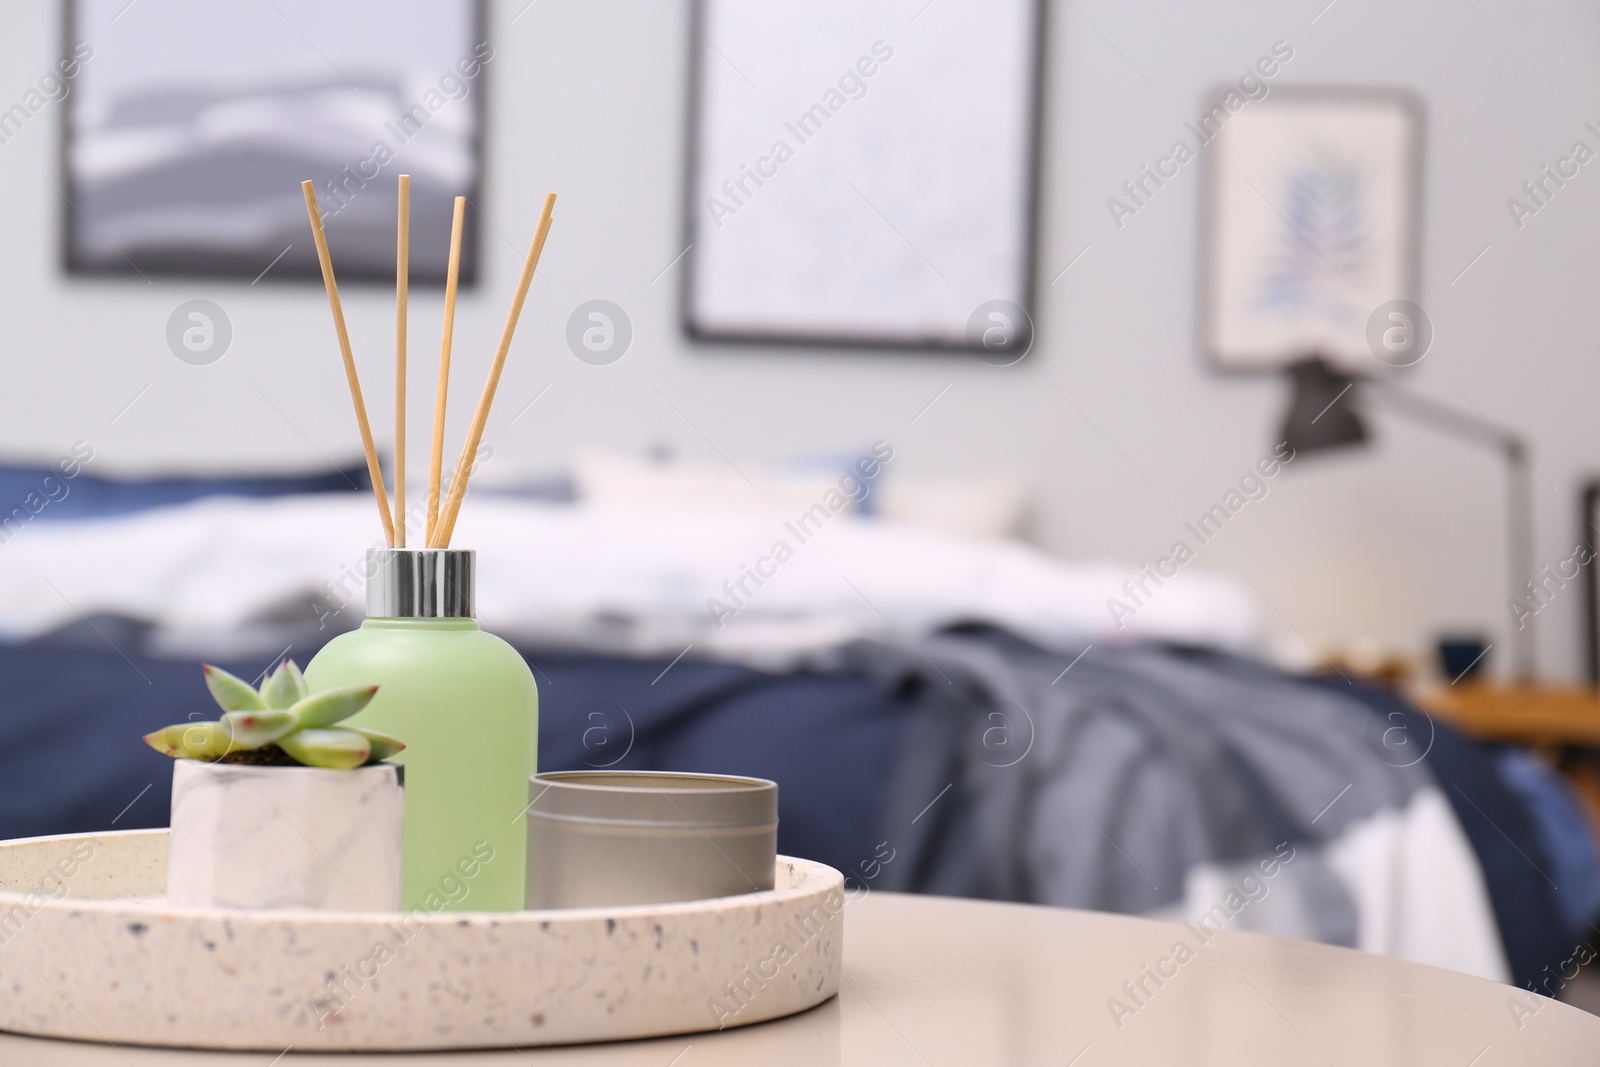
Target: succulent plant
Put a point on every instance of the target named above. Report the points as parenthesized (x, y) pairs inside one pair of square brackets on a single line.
[(281, 723)]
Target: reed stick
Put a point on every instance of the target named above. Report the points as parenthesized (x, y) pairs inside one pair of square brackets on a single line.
[(402, 284), (469, 448), (452, 278), (373, 470)]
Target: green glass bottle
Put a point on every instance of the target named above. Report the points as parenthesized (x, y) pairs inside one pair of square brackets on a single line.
[(465, 704)]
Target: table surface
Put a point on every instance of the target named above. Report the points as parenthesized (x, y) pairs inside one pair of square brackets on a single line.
[(931, 981), (1534, 715)]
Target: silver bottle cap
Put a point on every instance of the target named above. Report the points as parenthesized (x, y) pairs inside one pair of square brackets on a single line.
[(421, 583)]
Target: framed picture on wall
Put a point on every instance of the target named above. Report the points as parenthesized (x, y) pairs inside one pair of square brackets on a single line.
[(863, 174), (191, 125), (1312, 226), (1585, 552)]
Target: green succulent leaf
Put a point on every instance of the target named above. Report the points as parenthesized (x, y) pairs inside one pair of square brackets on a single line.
[(192, 740), (280, 690), (383, 746), (336, 749), (230, 693), (252, 729), (333, 705), (284, 712), (301, 690)]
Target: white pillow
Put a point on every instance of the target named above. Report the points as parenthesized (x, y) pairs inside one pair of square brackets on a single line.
[(995, 506), (610, 479)]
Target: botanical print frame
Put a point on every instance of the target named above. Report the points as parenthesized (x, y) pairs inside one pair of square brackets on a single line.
[(187, 133), (1312, 225), (863, 175)]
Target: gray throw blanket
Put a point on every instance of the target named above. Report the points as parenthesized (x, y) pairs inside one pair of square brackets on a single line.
[(1108, 784)]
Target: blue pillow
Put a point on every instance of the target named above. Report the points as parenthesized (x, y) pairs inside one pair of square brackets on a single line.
[(68, 491)]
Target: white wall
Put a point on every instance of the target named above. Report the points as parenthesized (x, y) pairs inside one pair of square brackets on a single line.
[(587, 98)]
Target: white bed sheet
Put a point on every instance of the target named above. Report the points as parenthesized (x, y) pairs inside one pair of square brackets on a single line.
[(607, 578)]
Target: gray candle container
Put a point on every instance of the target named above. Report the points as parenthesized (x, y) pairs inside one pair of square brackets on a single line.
[(606, 838)]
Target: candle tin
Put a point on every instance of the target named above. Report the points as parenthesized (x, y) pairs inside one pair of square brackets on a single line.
[(605, 838)]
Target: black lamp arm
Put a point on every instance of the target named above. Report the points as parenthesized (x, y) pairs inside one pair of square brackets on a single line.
[(1519, 496), (1470, 426)]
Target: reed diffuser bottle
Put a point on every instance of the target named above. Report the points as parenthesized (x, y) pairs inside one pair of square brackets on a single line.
[(464, 700), (466, 703)]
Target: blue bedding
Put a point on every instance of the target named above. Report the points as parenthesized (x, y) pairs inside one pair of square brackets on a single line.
[(73, 708), (72, 714), (70, 491)]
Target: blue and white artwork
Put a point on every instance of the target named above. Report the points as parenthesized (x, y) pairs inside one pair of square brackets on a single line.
[(1322, 243), (1313, 227)]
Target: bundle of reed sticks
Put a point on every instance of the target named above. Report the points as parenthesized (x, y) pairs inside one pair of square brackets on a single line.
[(441, 516)]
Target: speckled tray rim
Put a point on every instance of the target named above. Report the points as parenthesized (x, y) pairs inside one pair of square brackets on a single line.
[(808, 883), (814, 875)]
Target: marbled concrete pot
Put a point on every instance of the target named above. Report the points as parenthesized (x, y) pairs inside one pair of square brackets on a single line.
[(247, 836)]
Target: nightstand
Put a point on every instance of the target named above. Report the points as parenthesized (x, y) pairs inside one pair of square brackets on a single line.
[(1561, 721)]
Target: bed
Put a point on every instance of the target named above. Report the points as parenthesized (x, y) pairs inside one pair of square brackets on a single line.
[(943, 713)]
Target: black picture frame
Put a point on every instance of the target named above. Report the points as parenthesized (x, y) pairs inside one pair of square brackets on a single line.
[(1589, 534), (297, 269), (1019, 343)]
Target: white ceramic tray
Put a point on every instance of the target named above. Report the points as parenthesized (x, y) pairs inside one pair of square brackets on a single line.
[(89, 950)]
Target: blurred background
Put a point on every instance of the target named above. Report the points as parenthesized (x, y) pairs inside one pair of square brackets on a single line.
[(1028, 294), (1394, 542)]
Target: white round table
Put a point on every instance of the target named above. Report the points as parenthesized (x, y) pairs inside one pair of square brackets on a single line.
[(931, 981)]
